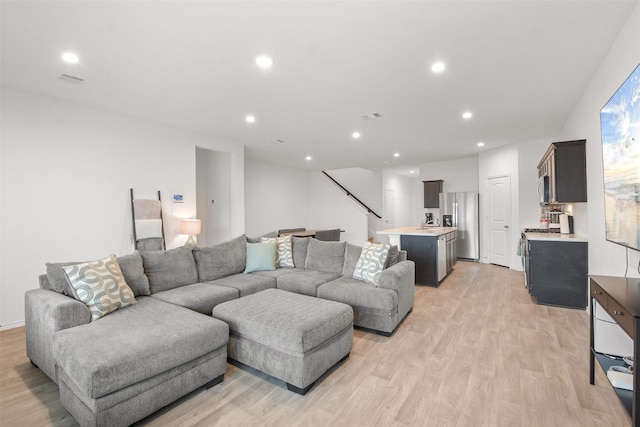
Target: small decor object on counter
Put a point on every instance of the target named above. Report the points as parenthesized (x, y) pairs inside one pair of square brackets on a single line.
[(544, 221)]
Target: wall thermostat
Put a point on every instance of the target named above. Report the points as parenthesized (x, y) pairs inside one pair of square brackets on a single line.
[(177, 198)]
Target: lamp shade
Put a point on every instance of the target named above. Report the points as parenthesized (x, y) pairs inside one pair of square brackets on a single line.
[(191, 227)]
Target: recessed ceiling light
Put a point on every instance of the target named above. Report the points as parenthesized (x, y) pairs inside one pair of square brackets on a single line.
[(467, 115), (308, 158), (480, 144), (412, 171), (355, 135), (396, 154), (70, 57), (438, 67), (264, 61), (250, 119)]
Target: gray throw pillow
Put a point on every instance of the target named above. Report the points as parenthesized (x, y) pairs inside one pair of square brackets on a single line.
[(221, 260), (325, 256), (169, 269), (133, 272)]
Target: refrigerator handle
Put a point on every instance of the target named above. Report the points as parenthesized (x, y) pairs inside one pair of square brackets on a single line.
[(455, 214)]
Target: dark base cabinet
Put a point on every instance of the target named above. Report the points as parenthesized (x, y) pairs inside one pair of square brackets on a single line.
[(423, 250), (556, 273)]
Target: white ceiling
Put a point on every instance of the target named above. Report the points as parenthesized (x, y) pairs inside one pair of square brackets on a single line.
[(519, 66)]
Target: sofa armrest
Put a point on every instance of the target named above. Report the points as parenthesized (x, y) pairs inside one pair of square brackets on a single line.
[(47, 312), (400, 277)]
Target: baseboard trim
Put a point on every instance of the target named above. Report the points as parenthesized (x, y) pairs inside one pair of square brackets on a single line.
[(13, 325)]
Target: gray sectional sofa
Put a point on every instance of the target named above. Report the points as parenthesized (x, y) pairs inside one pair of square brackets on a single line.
[(139, 358)]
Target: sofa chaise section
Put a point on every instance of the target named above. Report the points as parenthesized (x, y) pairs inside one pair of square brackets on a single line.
[(136, 360)]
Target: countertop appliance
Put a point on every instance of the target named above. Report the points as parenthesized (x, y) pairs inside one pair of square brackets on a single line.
[(460, 210)]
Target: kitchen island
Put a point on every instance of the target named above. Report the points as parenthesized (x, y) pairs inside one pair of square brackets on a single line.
[(433, 249)]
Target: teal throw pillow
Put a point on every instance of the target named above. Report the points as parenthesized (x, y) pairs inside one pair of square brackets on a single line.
[(261, 257)]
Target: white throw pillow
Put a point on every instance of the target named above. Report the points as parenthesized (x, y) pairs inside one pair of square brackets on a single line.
[(100, 285), (371, 262), (284, 250)]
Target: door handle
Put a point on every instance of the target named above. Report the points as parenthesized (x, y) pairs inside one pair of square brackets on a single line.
[(506, 226)]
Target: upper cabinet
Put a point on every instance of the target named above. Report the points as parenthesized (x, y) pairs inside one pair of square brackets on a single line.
[(562, 173), (432, 190)]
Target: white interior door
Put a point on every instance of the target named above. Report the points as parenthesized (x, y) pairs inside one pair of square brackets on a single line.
[(499, 220), (389, 208)]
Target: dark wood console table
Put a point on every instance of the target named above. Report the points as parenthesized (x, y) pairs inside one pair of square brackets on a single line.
[(620, 297)]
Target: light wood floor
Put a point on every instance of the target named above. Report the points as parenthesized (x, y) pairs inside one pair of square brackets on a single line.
[(475, 352)]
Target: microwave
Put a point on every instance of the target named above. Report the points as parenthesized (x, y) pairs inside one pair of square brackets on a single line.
[(544, 188)]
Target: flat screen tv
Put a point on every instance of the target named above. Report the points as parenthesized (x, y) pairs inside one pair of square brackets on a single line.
[(620, 125)]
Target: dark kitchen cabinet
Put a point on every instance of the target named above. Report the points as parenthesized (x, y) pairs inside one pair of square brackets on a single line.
[(556, 272), (432, 190), (424, 251), (564, 166)]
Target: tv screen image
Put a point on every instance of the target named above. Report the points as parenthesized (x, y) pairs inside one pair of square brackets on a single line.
[(620, 125)]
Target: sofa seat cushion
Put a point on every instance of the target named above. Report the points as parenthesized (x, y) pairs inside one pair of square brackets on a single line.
[(357, 293), (278, 272), (246, 284), (305, 281), (133, 344), (289, 322), (200, 297)]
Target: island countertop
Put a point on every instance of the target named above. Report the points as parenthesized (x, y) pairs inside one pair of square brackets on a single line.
[(417, 231)]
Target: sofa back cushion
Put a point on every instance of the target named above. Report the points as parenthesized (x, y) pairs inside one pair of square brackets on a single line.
[(269, 235), (133, 272), (57, 279), (221, 260), (351, 256), (169, 269), (392, 259), (299, 245), (325, 256), (130, 265)]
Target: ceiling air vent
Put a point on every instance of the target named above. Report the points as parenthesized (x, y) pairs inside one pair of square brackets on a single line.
[(71, 79), (277, 141), (371, 116)]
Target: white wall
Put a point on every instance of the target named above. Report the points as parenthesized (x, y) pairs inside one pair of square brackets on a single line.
[(604, 257), (406, 196), (276, 197), (66, 171), (330, 208)]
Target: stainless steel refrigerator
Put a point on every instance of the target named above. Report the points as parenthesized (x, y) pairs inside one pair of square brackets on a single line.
[(460, 210)]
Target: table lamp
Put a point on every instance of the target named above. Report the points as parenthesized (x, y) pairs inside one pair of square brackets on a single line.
[(191, 227)]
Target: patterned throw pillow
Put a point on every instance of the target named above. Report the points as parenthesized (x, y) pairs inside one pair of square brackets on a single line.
[(100, 285), (371, 262), (284, 250)]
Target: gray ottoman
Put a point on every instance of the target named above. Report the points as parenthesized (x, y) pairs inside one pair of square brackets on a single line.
[(295, 338)]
